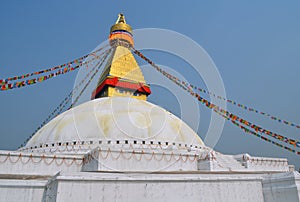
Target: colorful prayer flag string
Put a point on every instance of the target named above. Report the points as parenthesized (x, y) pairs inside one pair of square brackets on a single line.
[(228, 100), (250, 109), (76, 62), (249, 131), (99, 65), (210, 105), (65, 70)]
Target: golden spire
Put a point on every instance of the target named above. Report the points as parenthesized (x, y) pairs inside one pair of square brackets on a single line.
[(122, 75)]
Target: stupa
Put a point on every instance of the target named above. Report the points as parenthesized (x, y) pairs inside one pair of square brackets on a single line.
[(120, 147)]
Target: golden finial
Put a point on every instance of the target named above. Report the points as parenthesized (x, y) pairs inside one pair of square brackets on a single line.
[(121, 25), (121, 19)]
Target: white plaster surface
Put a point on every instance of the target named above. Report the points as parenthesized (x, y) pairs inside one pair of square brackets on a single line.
[(159, 187), (282, 187), (12, 190), (116, 118)]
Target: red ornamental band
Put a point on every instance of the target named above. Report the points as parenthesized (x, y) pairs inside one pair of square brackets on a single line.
[(117, 82)]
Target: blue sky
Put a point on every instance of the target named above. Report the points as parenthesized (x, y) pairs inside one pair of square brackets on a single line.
[(254, 44)]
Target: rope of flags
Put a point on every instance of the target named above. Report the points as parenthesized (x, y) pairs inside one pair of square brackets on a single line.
[(233, 117), (236, 103), (236, 118), (69, 68), (60, 108), (248, 131), (76, 61), (247, 107), (99, 65), (28, 82)]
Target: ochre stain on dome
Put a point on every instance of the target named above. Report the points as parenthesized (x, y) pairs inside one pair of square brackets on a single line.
[(105, 124)]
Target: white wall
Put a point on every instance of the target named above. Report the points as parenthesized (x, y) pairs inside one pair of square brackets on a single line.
[(282, 187), (159, 187), (22, 190)]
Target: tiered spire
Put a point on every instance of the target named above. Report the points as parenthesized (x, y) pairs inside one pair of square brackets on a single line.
[(122, 75)]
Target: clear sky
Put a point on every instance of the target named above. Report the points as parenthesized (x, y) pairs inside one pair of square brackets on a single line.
[(254, 44)]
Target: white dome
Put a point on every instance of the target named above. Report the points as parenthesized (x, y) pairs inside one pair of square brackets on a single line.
[(116, 119)]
